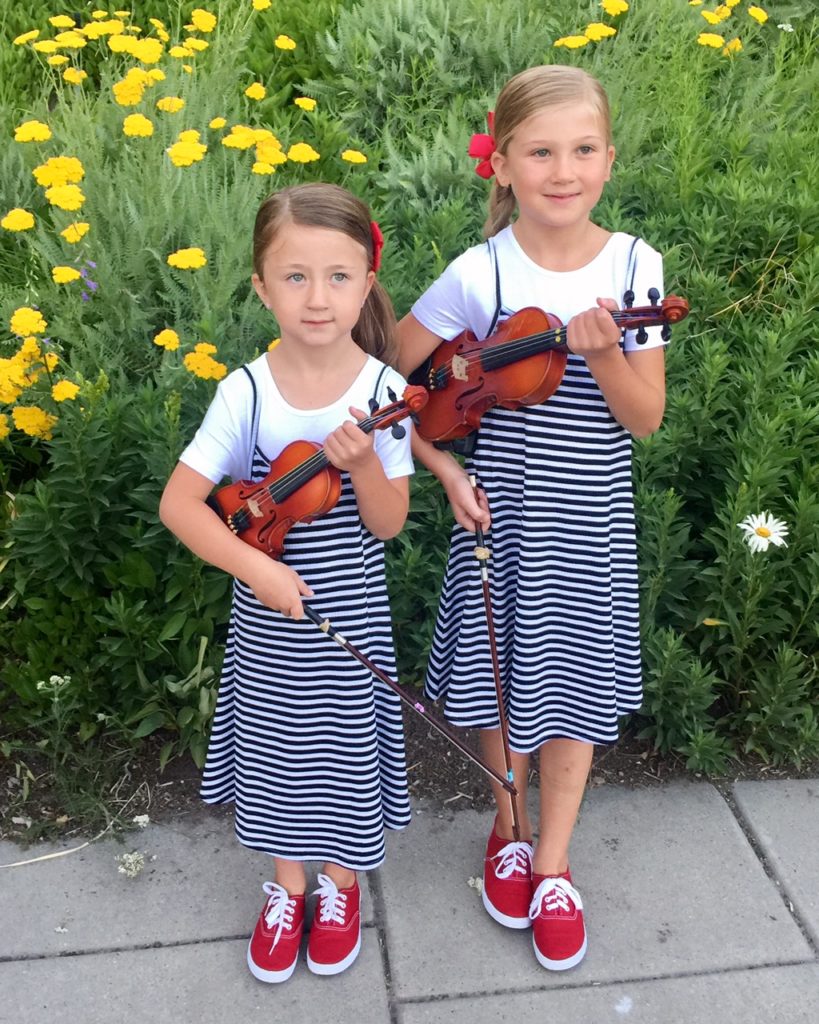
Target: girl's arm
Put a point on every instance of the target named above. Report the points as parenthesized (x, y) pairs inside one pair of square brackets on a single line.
[(183, 510), (383, 503), (633, 383), (415, 344)]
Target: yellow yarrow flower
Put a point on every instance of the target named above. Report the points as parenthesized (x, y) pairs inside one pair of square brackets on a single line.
[(180, 52), (98, 15), (723, 11), (262, 168), (710, 39), (217, 122), (711, 17), (51, 359), (614, 7), (273, 344), (59, 170), (596, 31), (193, 43), (170, 104), (122, 43), (65, 275), (186, 152), (65, 390), (32, 131), (18, 219), (571, 42), (256, 91), (269, 151), (71, 40), (62, 21), (261, 5), (240, 137), (128, 92), (187, 259), (284, 43), (302, 153), (352, 156), (189, 135), (153, 76), (167, 339), (305, 102), (758, 14), (33, 420), (26, 37), (46, 46), (74, 232), (57, 60), (66, 197), (96, 30), (204, 366), (74, 76), (25, 321), (147, 51), (205, 348), (203, 20), (138, 125), (731, 47), (5, 429)]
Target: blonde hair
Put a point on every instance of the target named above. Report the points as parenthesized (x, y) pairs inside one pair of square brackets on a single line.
[(321, 205), (533, 90)]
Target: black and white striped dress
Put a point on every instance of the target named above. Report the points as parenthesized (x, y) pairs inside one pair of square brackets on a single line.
[(305, 742), (563, 572)]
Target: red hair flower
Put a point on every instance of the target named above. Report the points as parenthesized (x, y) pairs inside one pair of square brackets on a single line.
[(378, 245), (483, 146)]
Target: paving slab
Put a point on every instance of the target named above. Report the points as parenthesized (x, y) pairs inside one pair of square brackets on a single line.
[(784, 818), (206, 983), (669, 882), (775, 995), (198, 883)]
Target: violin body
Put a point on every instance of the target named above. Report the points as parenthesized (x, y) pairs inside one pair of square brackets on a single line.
[(248, 509), (302, 483), (522, 363), (461, 386)]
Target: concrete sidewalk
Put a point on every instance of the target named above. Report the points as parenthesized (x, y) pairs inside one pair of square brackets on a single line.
[(701, 909)]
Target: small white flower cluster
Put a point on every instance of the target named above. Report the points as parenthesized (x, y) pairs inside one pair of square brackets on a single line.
[(141, 820), (130, 864), (54, 683), (785, 26), (762, 530)]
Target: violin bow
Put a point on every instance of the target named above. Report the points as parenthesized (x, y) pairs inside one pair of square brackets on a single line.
[(326, 626), (481, 553)]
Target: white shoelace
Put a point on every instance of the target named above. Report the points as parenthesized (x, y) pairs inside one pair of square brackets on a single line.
[(278, 913), (556, 894), (514, 858), (332, 903)]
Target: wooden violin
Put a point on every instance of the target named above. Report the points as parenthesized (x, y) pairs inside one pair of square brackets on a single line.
[(302, 483), (522, 363)]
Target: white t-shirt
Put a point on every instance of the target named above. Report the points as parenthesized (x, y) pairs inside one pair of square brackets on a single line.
[(221, 446), (464, 296)]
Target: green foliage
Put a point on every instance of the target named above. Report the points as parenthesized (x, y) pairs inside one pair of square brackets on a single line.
[(714, 168)]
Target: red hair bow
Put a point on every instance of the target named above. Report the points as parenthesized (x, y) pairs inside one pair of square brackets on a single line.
[(378, 245), (483, 146)]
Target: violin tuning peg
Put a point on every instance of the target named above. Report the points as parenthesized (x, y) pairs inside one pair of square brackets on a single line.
[(642, 335), (398, 431), (415, 418), (653, 296), (392, 395), (628, 299), (665, 332), (373, 405)]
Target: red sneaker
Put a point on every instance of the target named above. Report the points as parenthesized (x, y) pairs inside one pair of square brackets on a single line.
[(558, 931), (274, 945), (507, 881), (335, 935)]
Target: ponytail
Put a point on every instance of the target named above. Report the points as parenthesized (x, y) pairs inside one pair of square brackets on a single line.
[(502, 204), (375, 330)]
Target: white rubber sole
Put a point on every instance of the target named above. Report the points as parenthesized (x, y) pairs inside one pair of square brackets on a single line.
[(560, 965), (336, 968), (270, 977), (518, 923)]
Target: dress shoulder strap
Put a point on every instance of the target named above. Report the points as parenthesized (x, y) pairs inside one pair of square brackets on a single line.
[(493, 256), (631, 270), (255, 414)]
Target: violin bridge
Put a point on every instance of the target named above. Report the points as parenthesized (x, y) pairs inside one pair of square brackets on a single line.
[(460, 368), (255, 510)]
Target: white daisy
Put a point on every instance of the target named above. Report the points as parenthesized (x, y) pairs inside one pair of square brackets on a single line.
[(763, 530)]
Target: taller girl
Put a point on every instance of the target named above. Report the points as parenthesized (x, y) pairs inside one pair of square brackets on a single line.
[(557, 478)]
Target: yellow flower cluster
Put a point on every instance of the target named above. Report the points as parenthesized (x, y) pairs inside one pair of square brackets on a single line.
[(64, 390), (59, 170), (352, 156), (34, 421), (66, 197), (187, 259), (256, 91), (201, 363), (170, 104), (138, 126), (32, 131), (261, 5), (18, 219), (74, 76), (65, 275), (25, 321), (167, 339), (74, 232), (614, 7), (284, 43), (302, 153), (187, 149), (305, 102)]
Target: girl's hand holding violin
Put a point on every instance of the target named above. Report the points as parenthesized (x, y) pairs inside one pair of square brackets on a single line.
[(277, 586), (348, 447), (594, 332)]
